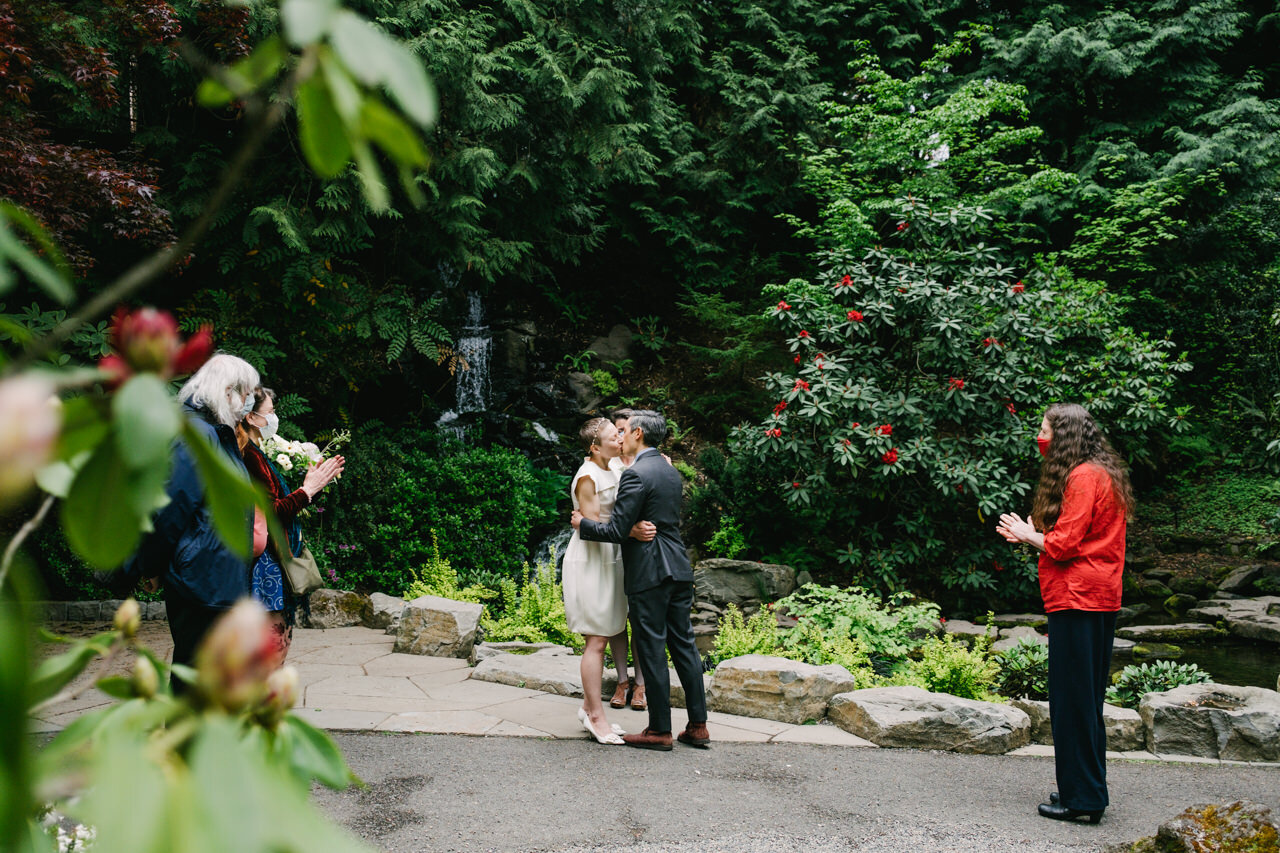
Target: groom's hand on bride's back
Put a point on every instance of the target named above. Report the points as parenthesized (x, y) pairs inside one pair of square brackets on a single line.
[(644, 531)]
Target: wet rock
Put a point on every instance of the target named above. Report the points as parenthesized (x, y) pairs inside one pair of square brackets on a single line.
[(1131, 613), (1002, 646), (1240, 579), (1154, 589), (1251, 618), (1161, 575), (1221, 721), (439, 627), (1192, 585), (614, 347), (1154, 651), (776, 688), (914, 718), (1019, 631), (964, 629), (1015, 620), (1121, 646), (583, 389), (1178, 604), (1183, 632), (338, 608)]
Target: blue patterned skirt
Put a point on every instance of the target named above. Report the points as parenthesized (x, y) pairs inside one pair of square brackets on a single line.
[(268, 582)]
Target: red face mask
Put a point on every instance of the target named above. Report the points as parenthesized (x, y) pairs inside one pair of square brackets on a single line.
[(1043, 444)]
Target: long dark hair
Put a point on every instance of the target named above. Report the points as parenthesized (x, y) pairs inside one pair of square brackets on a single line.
[(1076, 440)]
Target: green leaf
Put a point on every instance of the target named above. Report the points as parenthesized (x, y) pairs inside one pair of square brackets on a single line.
[(377, 59), (147, 420), (98, 516), (307, 21), (375, 190), (50, 272), (213, 93), (56, 477), (57, 672), (117, 686), (227, 493), (392, 134), (323, 134), (83, 427), (314, 755)]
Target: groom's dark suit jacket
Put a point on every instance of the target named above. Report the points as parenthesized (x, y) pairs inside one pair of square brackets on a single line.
[(650, 490)]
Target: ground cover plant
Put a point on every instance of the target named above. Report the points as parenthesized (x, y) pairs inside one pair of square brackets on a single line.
[(1133, 682), (1024, 671)]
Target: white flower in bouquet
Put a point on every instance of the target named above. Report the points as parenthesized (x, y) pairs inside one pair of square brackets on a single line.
[(285, 463)]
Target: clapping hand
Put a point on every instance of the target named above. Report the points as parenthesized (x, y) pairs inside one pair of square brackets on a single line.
[(322, 474), (1014, 529)]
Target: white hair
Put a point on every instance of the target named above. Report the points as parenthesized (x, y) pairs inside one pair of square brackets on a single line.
[(213, 386)]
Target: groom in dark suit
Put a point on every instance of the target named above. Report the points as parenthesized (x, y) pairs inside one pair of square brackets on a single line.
[(659, 582)]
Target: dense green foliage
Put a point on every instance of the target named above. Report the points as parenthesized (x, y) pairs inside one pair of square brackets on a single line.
[(659, 164), (1137, 680), (402, 489), (1024, 671), (947, 665)]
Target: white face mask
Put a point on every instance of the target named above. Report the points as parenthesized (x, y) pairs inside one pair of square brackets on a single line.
[(246, 405), (273, 424)]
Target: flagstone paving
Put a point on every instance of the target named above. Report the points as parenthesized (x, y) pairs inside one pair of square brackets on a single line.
[(351, 680)]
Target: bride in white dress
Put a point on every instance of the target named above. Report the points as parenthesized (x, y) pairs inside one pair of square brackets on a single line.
[(595, 602)]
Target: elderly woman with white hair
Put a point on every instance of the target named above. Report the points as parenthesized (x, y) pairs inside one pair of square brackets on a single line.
[(201, 576)]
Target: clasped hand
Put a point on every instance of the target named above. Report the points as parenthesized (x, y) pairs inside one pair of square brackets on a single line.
[(641, 531)]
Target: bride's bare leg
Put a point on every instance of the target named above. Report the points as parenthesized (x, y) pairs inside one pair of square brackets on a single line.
[(592, 669), (635, 658)]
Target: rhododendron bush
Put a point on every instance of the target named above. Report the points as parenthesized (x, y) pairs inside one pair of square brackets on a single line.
[(922, 369)]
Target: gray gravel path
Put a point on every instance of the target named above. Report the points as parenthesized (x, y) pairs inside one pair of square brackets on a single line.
[(440, 792)]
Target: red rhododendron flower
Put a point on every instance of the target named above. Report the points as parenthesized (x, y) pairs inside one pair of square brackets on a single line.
[(902, 226), (801, 385), (115, 369), (795, 484), (847, 442), (803, 333), (956, 384), (1013, 410), (783, 306), (797, 359), (891, 456), (146, 338), (990, 342), (847, 281), (885, 429), (782, 404), (855, 425), (1018, 288), (195, 352), (855, 316), (998, 567)]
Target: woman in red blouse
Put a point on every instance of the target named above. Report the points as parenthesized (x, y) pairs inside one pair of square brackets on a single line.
[(268, 583), (1078, 518)]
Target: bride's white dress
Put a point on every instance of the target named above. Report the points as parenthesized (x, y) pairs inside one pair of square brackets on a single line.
[(595, 602)]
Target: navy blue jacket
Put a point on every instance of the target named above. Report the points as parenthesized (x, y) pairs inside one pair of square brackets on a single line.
[(184, 549)]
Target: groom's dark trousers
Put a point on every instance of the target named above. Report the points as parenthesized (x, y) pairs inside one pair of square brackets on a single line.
[(659, 584)]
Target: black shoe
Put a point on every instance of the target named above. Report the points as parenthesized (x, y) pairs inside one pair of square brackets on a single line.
[(1053, 797), (1057, 811)]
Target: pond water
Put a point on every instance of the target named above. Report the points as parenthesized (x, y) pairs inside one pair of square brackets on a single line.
[(1229, 662)]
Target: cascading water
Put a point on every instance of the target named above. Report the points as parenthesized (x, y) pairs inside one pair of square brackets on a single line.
[(474, 347)]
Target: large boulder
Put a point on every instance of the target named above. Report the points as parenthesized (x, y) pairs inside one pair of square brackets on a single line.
[(740, 582), (548, 670), (1123, 725), (439, 627), (384, 612), (338, 608), (914, 718), (1239, 580), (963, 629), (614, 347), (1251, 618), (776, 688), (1242, 825), (1214, 721)]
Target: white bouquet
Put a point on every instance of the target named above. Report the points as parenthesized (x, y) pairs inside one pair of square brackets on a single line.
[(299, 455)]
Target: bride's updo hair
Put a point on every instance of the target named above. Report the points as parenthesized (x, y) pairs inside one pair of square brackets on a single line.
[(590, 432)]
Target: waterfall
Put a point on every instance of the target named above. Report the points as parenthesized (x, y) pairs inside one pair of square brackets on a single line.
[(474, 346), (556, 543)]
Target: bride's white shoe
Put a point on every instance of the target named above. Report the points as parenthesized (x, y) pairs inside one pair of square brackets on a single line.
[(613, 738)]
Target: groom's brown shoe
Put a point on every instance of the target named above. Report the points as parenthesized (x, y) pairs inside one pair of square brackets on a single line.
[(649, 739), (696, 734)]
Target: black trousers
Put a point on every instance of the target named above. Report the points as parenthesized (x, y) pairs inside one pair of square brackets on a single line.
[(660, 621), (189, 621), (1079, 670)]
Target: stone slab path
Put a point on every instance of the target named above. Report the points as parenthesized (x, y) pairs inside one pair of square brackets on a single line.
[(352, 681)]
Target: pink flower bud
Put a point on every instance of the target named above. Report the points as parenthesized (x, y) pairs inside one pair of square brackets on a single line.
[(147, 339), (128, 618), (236, 657), (30, 418), (282, 693)]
